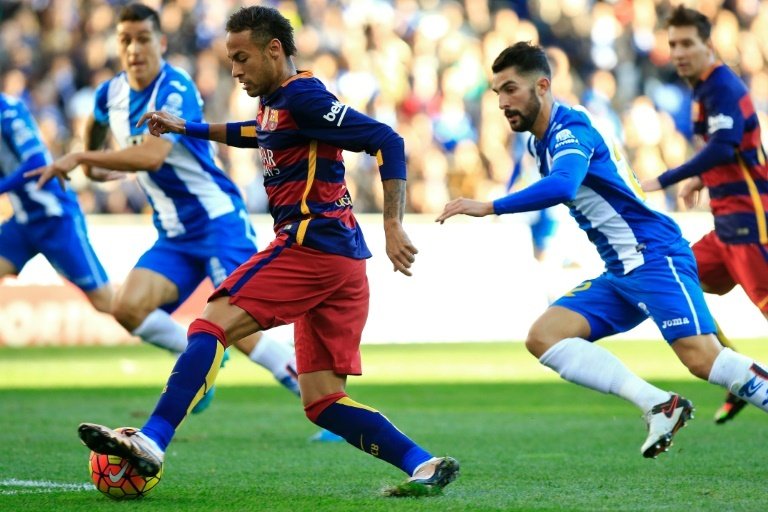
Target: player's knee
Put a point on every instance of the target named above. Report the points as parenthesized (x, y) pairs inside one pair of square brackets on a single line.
[(314, 409), (101, 299), (201, 325), (130, 316), (538, 341)]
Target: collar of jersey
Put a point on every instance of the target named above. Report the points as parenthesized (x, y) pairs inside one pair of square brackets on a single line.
[(300, 74), (555, 108)]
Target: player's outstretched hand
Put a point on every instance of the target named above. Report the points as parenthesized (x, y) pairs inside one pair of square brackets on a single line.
[(467, 207), (160, 122), (401, 252), (58, 169), (650, 185)]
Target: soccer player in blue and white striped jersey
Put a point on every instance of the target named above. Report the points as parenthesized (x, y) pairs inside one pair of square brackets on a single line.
[(650, 269), (45, 220)]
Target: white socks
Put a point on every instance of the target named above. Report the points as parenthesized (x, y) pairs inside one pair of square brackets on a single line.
[(741, 376), (277, 357), (161, 330), (589, 365)]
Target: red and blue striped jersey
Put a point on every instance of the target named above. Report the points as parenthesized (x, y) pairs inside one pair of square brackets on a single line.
[(723, 112), (301, 130)]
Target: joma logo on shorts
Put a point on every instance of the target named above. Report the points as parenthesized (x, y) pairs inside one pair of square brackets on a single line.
[(674, 322)]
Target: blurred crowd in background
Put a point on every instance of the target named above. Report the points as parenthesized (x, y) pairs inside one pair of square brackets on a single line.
[(421, 66)]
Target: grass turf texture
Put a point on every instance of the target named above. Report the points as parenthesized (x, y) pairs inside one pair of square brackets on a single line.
[(525, 440)]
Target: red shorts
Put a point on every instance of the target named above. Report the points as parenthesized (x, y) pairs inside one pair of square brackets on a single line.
[(324, 295), (722, 266)]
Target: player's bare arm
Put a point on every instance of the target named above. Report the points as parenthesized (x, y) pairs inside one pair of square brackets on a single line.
[(160, 122), (467, 207), (147, 156), (650, 185), (400, 250), (94, 138)]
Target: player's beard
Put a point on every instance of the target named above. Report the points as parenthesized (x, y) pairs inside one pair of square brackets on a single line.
[(528, 115)]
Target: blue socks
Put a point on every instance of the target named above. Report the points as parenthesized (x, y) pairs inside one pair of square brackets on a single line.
[(368, 430), (192, 376)]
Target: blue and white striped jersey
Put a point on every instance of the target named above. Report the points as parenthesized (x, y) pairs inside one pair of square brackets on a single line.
[(21, 150), (189, 190), (584, 168)]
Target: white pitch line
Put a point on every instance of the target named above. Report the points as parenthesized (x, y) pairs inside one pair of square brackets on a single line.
[(40, 486)]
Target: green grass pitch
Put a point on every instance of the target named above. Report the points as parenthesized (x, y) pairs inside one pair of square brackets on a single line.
[(525, 439)]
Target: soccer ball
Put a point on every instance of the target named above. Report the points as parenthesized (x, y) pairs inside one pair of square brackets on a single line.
[(116, 478)]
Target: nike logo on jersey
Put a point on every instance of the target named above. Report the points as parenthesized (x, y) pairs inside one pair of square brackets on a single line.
[(116, 478)]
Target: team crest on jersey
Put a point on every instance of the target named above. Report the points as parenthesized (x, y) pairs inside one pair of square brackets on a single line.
[(269, 119), (173, 104), (273, 120)]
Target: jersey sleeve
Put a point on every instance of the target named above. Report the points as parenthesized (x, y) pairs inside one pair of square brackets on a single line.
[(21, 133), (179, 96), (100, 111), (320, 115), (725, 121), (571, 148)]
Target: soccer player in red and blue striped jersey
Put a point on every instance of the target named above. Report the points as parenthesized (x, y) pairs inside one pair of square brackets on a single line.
[(731, 164), (312, 275)]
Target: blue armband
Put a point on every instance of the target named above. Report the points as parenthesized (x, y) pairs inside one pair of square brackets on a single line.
[(196, 130)]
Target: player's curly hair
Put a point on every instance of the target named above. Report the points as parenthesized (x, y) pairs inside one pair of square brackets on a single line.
[(682, 16), (140, 12), (526, 57), (265, 24)]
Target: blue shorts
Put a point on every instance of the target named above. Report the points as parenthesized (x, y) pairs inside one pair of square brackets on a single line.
[(666, 289), (64, 243), (229, 242)]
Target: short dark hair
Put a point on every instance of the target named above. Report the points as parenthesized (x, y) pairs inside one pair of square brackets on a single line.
[(265, 24), (140, 12), (526, 57), (682, 16)]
